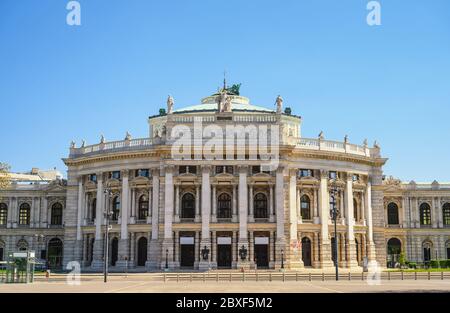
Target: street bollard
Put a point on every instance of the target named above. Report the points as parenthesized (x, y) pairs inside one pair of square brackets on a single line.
[(429, 275), (310, 277), (402, 275), (442, 275), (349, 276), (323, 276)]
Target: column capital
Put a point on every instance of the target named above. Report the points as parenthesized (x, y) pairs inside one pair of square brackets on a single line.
[(323, 173), (155, 171), (124, 173), (206, 168), (293, 171)]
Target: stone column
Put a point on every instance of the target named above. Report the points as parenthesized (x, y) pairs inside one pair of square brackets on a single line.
[(133, 206), (363, 208), (155, 248), (316, 217), (251, 249), (149, 213), (315, 250), (280, 216), (294, 255), (324, 197), (214, 205), (44, 212), (271, 250), (243, 214), (9, 216), (368, 206), (177, 249), (196, 249), (206, 215), (97, 262), (434, 221), (351, 249), (251, 218), (214, 249), (167, 244), (80, 207), (197, 203), (177, 203), (298, 206), (234, 218), (440, 213), (132, 250), (123, 242), (271, 206), (233, 249)]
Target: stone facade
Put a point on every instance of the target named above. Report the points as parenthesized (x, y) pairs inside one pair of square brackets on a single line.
[(201, 212)]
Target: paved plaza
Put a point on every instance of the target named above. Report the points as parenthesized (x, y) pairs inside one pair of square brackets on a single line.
[(147, 283)]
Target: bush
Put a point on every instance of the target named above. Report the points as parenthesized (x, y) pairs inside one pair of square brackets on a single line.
[(412, 265)]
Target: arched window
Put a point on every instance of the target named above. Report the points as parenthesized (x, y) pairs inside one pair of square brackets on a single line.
[(24, 214), (224, 206), (94, 209), (425, 214), (188, 206), (446, 214), (143, 207), (115, 208), (355, 210), (394, 248), (56, 215), (3, 214), (392, 214), (55, 253), (305, 207), (260, 206)]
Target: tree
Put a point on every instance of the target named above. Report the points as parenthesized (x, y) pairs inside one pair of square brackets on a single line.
[(4, 175), (402, 259)]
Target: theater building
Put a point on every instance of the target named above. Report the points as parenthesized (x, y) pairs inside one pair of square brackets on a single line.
[(202, 211)]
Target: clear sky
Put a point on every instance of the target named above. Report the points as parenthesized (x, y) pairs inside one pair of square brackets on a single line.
[(389, 83)]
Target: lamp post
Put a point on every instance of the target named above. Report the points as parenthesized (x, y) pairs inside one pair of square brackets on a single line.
[(107, 215), (282, 258), (334, 213), (167, 259)]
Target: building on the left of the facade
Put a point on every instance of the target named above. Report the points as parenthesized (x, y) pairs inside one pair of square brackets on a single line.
[(32, 215)]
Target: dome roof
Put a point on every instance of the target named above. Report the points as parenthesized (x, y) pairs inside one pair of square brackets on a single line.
[(238, 103)]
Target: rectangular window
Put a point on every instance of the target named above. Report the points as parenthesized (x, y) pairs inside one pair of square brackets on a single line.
[(1, 254), (229, 169), (143, 173), (256, 169), (306, 173), (355, 177), (333, 175), (182, 169), (219, 169), (187, 169), (115, 175), (93, 178)]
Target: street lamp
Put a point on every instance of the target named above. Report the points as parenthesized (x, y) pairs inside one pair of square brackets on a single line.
[(107, 215), (282, 258), (334, 212), (167, 259)]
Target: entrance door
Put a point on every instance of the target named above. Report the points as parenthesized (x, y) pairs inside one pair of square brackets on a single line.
[(224, 256), (306, 251), (114, 251), (187, 255), (262, 256), (187, 251), (142, 251)]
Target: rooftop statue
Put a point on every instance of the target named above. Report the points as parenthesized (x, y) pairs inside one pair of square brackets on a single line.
[(279, 102), (170, 103)]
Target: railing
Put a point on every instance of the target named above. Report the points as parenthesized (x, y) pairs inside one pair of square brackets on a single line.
[(333, 146), (302, 143), (132, 144), (296, 276)]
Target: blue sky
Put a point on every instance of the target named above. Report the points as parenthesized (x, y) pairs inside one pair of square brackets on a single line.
[(388, 83)]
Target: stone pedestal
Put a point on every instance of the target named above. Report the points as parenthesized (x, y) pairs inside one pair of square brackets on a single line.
[(154, 259), (97, 263), (243, 264), (167, 253), (325, 256), (123, 253), (204, 265), (352, 262)]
